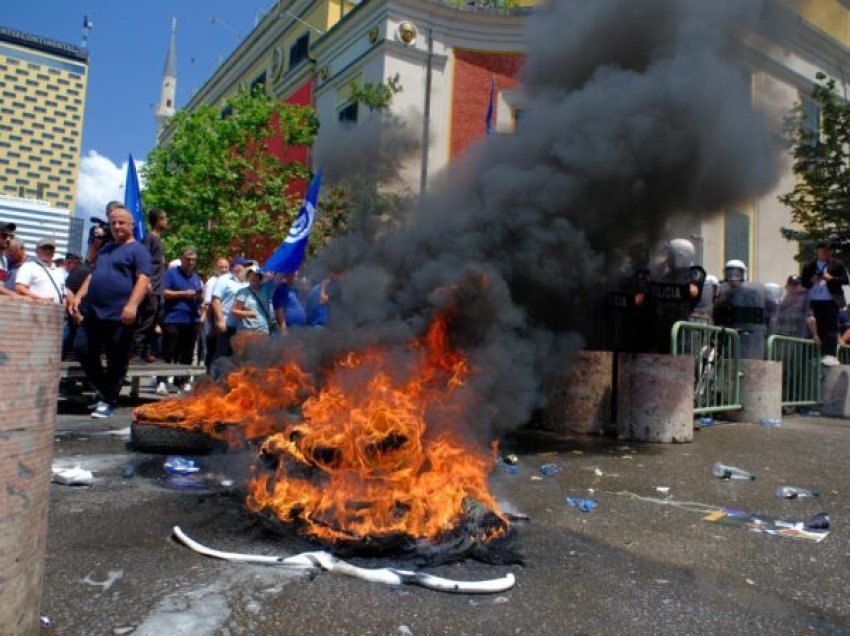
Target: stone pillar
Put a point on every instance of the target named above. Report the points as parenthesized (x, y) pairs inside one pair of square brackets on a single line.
[(761, 391), (836, 391), (29, 383), (580, 397), (655, 398)]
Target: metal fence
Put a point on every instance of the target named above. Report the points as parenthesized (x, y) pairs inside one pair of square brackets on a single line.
[(716, 352), (801, 372)]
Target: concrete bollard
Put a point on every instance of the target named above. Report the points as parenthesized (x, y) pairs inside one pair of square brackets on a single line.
[(29, 377), (761, 391), (836, 391), (655, 398), (580, 397)]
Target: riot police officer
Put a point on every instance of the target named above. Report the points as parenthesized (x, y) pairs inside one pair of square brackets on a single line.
[(740, 305), (675, 287)]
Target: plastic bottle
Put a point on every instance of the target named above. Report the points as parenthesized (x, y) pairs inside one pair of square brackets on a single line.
[(771, 423), (792, 492), (585, 505), (724, 471), (549, 469), (511, 469), (706, 421)]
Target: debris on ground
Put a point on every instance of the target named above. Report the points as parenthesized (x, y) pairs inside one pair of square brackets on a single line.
[(550, 469), (662, 489), (177, 465), (45, 621), (812, 529), (706, 421), (316, 561), (583, 504), (726, 471), (536, 478), (76, 476), (511, 469), (793, 492), (768, 422), (511, 459), (597, 472)]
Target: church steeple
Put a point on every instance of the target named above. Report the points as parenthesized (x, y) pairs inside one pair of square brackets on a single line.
[(166, 108)]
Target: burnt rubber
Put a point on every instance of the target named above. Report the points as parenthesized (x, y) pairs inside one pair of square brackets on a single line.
[(170, 440)]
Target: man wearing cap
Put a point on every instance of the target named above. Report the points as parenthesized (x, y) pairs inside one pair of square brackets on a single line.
[(7, 233), (115, 288), (40, 279), (223, 296)]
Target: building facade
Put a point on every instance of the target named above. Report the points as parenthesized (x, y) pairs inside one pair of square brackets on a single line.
[(42, 103), (447, 53)]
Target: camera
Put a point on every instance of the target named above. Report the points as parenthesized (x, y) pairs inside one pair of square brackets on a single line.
[(99, 230)]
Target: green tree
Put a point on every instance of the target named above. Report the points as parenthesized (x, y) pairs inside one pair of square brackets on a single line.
[(820, 200), (224, 190)]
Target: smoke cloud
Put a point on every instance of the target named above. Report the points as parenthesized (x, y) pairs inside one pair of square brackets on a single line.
[(638, 114)]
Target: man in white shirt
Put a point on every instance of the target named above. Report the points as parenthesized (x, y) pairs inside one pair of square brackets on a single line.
[(40, 279), (222, 266), (223, 295)]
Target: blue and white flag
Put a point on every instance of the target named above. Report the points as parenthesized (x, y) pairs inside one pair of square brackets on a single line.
[(488, 122), (133, 199), (287, 258)]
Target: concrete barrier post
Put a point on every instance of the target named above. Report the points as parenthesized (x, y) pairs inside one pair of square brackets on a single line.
[(836, 391), (655, 398), (761, 391), (29, 382), (580, 397)]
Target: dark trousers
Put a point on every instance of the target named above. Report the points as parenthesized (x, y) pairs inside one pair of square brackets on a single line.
[(69, 336), (209, 352), (144, 339), (112, 338), (826, 316), (222, 343), (179, 345)]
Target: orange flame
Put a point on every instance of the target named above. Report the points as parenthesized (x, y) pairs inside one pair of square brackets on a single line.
[(379, 450), (371, 458)]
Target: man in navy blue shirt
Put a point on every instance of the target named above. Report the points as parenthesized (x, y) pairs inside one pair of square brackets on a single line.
[(183, 292), (113, 291)]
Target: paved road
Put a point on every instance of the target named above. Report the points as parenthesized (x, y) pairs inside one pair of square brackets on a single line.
[(631, 567)]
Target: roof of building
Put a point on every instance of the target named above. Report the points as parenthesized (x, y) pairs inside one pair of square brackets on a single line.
[(46, 45)]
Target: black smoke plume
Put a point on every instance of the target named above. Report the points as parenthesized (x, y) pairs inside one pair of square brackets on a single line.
[(638, 113)]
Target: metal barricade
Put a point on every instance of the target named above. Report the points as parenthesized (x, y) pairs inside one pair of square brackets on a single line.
[(801, 369), (717, 354)]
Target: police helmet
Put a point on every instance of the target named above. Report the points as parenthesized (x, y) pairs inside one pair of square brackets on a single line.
[(735, 270)]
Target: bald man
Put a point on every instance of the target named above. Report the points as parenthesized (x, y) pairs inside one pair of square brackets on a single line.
[(114, 289)]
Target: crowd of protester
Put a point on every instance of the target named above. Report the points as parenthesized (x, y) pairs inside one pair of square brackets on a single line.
[(125, 303)]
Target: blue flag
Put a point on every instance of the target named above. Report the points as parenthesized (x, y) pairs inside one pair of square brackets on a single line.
[(133, 200), (287, 258), (491, 107)]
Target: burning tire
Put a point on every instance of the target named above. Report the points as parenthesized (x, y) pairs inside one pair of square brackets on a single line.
[(167, 440)]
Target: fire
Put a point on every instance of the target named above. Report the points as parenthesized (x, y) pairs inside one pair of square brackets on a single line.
[(253, 404), (379, 452)]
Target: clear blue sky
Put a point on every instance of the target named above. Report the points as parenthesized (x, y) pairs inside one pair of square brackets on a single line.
[(127, 46)]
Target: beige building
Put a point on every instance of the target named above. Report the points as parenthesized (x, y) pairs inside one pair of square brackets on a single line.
[(42, 102), (309, 52)]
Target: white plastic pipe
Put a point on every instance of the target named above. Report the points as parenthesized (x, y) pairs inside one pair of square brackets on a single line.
[(328, 562)]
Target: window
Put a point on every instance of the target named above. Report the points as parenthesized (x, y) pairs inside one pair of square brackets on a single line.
[(259, 82), (299, 51), (41, 188), (168, 103), (226, 112), (737, 237), (348, 114), (810, 112)]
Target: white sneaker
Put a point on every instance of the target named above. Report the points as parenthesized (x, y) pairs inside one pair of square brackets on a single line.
[(186, 387), (830, 361), (161, 389)]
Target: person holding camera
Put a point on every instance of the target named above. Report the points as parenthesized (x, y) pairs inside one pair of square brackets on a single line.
[(825, 277), (113, 291)]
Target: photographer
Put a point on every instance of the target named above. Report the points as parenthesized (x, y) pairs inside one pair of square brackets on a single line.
[(824, 277)]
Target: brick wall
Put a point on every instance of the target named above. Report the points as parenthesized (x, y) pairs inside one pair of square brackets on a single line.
[(473, 73), (29, 379)]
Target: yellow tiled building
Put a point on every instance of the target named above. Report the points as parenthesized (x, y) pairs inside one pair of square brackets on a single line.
[(42, 102)]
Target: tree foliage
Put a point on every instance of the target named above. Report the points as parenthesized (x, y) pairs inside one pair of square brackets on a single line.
[(218, 180), (820, 200)]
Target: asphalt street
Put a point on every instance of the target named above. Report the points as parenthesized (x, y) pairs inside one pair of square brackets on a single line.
[(641, 563)]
